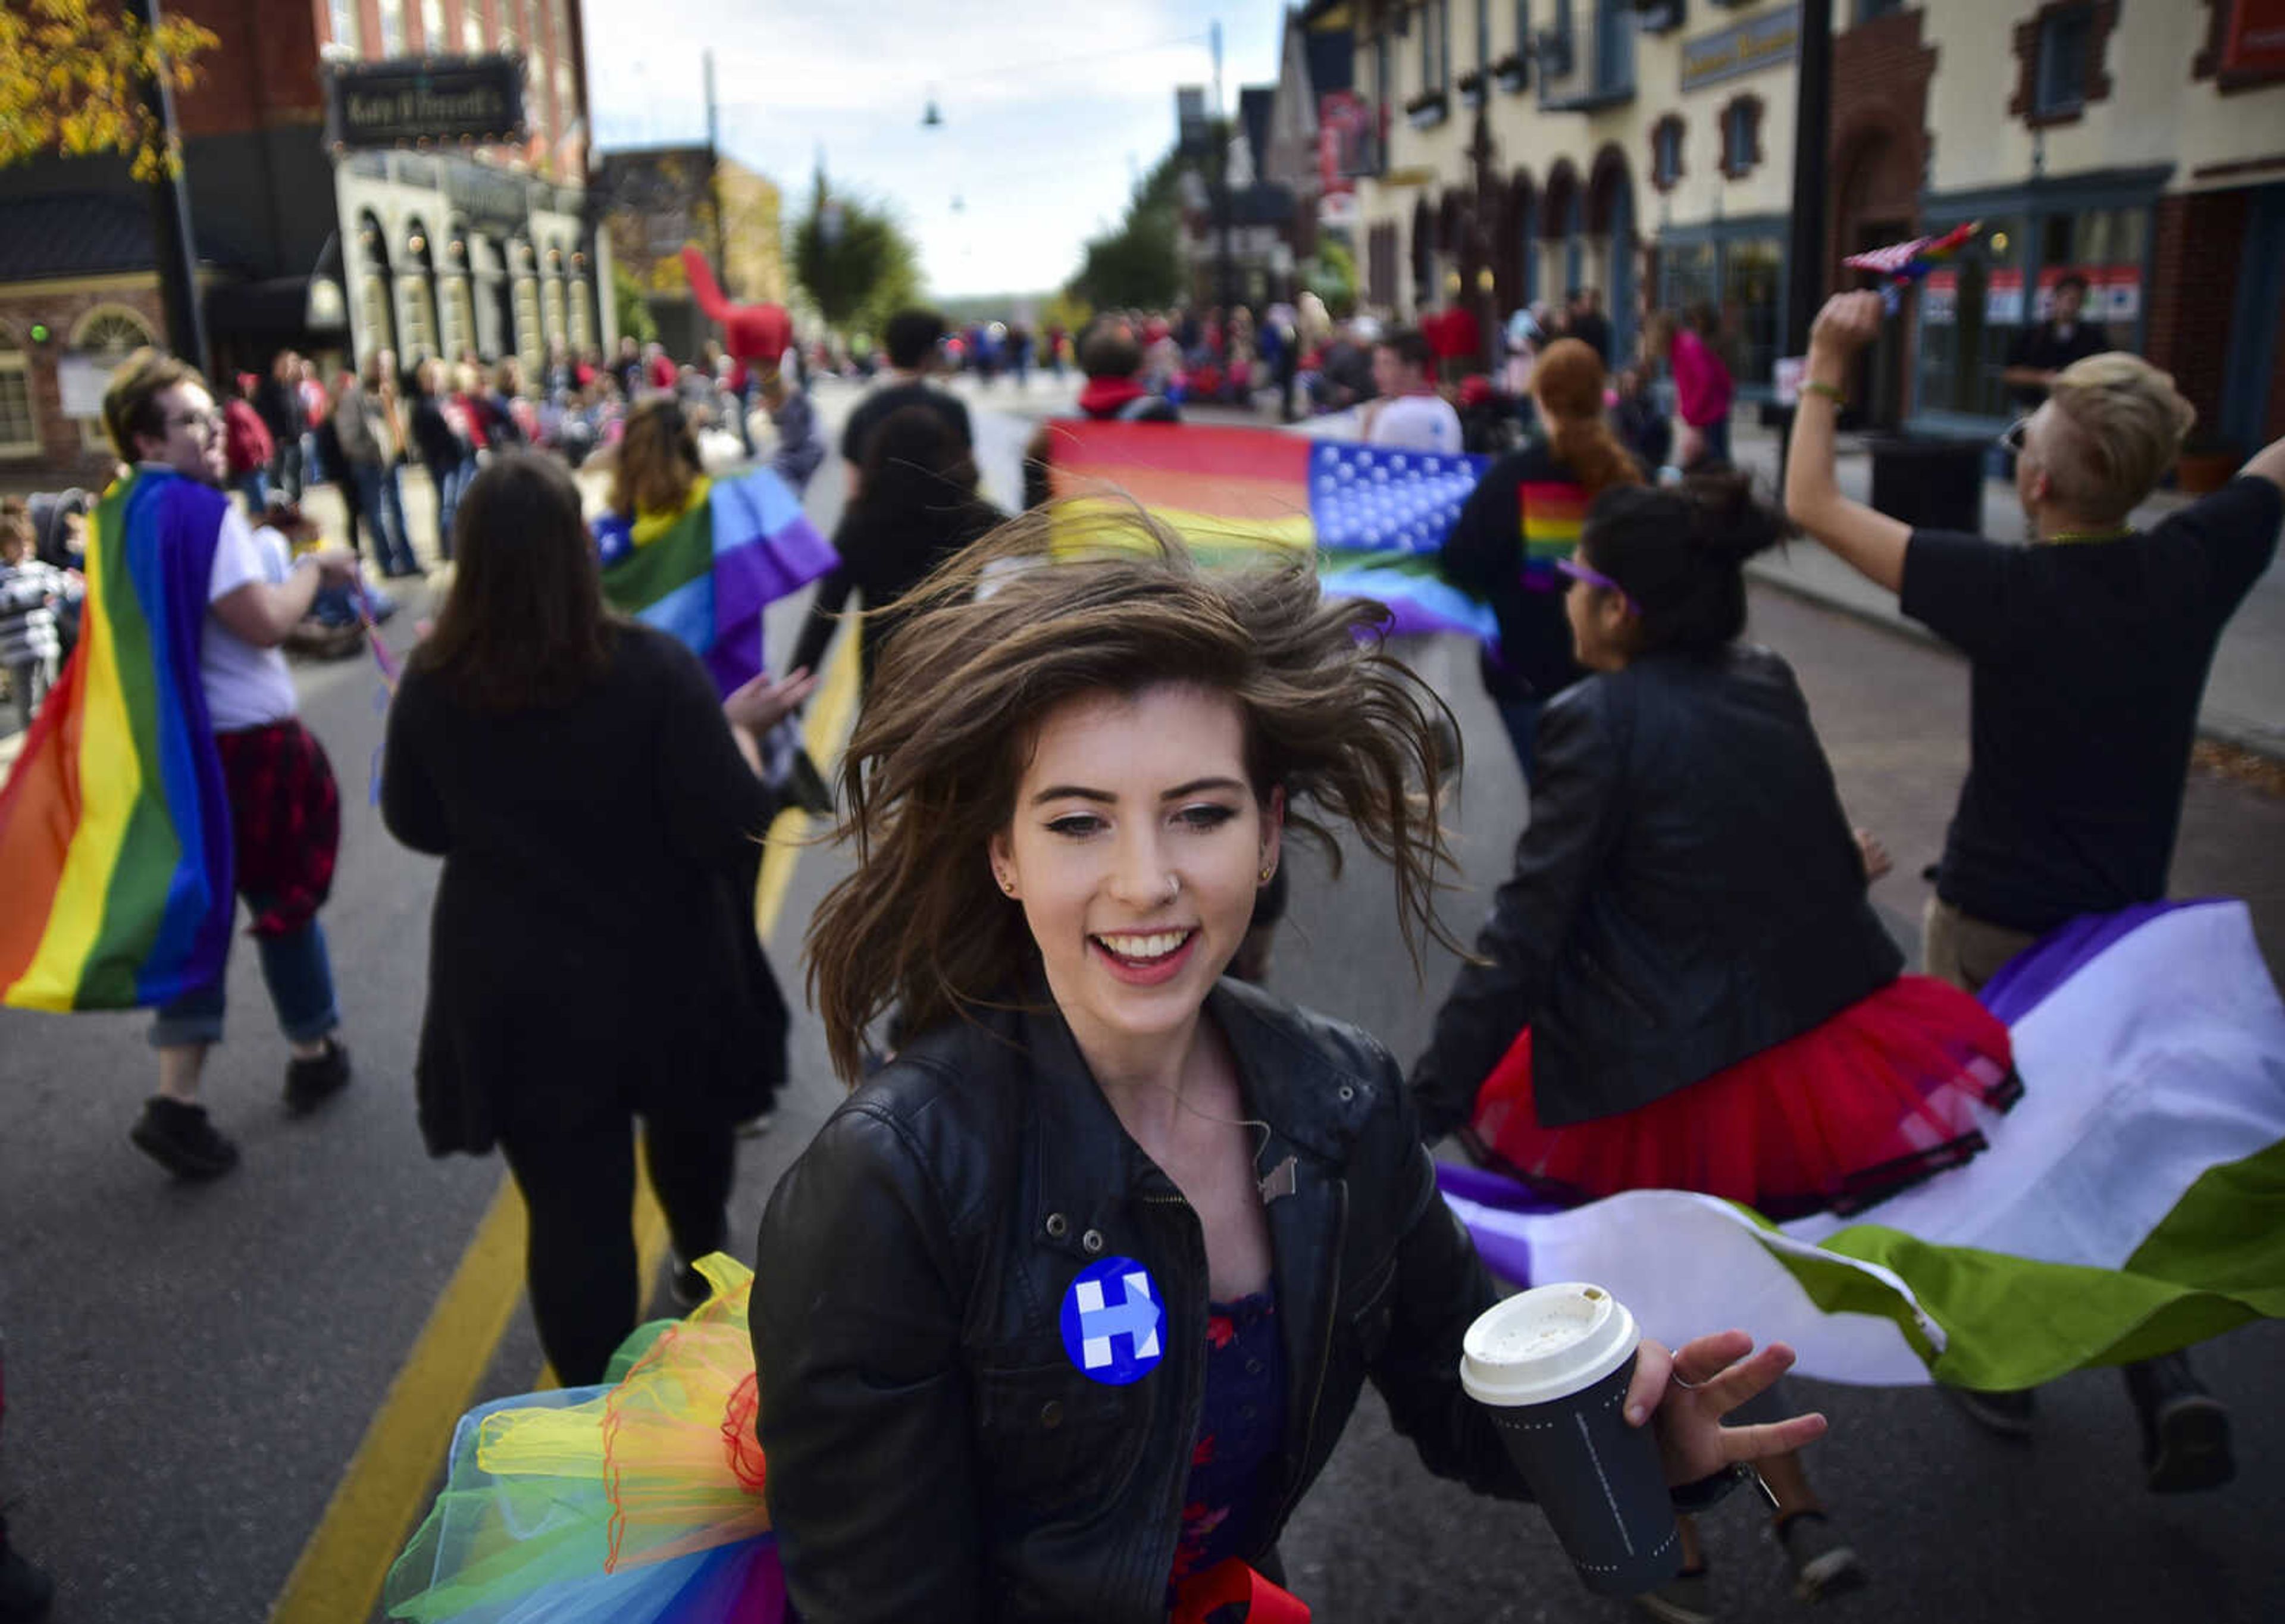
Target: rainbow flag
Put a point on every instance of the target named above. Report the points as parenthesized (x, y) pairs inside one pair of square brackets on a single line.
[(1375, 517), (2132, 1202), (115, 825), (1553, 513), (704, 573)]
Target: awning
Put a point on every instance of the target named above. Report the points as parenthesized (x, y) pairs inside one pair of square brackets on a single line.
[(283, 306)]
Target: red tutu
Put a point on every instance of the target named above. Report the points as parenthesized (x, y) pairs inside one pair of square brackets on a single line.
[(1880, 1096)]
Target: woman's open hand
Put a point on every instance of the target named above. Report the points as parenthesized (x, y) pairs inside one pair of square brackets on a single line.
[(766, 701), (1687, 1392)]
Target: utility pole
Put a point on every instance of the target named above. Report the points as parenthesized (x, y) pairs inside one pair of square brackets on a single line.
[(714, 181), (1812, 135), (1225, 272), (173, 244)]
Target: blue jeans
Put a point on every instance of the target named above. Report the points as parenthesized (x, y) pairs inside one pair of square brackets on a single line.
[(300, 976), (380, 499), (253, 485), (450, 485)]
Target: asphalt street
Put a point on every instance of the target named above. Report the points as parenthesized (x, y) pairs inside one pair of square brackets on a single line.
[(191, 1369)]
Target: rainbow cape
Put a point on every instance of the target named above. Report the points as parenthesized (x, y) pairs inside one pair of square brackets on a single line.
[(114, 825), (704, 573), (2132, 1202), (1375, 518)]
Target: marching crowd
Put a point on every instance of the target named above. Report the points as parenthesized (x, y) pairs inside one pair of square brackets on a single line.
[(1071, 791)]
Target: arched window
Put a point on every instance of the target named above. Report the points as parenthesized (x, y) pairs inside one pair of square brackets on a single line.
[(19, 418), (108, 335)]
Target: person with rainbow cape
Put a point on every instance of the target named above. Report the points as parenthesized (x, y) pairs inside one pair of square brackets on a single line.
[(170, 773)]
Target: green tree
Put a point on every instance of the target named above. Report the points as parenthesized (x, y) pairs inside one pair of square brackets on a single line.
[(1135, 261), (853, 259), (1330, 273), (71, 81), (632, 309)]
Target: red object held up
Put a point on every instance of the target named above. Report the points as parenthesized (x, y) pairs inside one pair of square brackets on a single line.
[(761, 333)]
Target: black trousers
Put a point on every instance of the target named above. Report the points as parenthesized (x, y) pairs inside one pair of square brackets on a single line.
[(579, 1187)]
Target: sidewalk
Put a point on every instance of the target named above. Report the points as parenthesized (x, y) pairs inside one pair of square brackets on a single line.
[(2244, 704)]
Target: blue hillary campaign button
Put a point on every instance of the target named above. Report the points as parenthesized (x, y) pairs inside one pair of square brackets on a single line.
[(1111, 1320)]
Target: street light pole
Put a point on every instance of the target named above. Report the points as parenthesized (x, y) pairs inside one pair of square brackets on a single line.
[(173, 244), (1812, 134)]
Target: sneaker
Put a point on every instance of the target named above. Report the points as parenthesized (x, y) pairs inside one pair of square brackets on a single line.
[(1686, 1598), (179, 1138), (310, 1083), (2009, 1415), (1822, 1560), (2185, 1428)]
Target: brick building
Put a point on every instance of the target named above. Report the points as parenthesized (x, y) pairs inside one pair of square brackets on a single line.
[(334, 254), (1644, 147)]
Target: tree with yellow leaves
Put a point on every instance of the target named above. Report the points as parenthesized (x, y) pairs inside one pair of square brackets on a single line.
[(72, 74)]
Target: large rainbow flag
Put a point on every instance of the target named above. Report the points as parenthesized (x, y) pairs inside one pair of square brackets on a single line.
[(2132, 1202), (704, 573), (115, 825), (1375, 517)]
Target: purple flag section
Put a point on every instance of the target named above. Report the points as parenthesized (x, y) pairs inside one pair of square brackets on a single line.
[(2025, 980)]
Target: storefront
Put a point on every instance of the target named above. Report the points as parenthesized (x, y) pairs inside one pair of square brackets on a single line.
[(1973, 313), (1736, 269)]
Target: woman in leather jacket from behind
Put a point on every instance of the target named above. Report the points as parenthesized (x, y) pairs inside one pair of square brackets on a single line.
[(1683, 985), (1064, 791)]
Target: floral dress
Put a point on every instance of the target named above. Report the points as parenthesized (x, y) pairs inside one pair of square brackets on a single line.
[(1239, 1434)]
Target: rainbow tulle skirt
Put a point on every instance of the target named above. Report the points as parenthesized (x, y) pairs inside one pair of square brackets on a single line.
[(639, 1501)]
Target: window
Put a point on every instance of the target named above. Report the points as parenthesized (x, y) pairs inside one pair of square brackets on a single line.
[(432, 27), (20, 422), (1741, 137), (2059, 55), (1483, 34), (418, 329), (107, 334), (528, 347), (472, 25), (511, 28), (342, 24), (1614, 46), (459, 319), (1750, 314), (1435, 46), (2063, 39), (1666, 153), (1868, 10), (1685, 275), (1971, 313), (392, 28)]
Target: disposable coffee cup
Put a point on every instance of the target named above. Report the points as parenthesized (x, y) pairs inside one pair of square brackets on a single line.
[(1553, 1365)]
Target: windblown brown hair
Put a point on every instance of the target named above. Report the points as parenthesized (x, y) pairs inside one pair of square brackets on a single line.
[(130, 405), (963, 687), (658, 460), (1567, 381)]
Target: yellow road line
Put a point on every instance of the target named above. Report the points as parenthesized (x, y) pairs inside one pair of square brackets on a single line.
[(339, 1575)]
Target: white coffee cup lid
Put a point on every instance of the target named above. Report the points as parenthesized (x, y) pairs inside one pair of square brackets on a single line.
[(1545, 1344)]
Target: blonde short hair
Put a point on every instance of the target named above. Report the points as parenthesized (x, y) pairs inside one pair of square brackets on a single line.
[(2118, 422)]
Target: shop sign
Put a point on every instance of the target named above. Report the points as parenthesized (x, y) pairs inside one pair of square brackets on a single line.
[(2256, 38), (1940, 298), (410, 100), (1743, 48), (2113, 293), (2003, 299)]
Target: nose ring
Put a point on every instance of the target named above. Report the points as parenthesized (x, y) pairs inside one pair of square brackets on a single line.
[(1174, 886)]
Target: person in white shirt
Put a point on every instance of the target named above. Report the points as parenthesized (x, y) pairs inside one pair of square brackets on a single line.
[(1409, 414), (285, 808)]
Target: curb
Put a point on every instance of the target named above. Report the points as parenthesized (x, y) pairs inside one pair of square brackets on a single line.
[(2268, 743)]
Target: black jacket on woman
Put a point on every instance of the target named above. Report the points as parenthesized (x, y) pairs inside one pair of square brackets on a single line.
[(441, 446), (933, 1452), (885, 555), (1687, 894), (585, 947)]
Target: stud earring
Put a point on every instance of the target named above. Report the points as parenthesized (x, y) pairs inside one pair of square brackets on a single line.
[(1266, 870)]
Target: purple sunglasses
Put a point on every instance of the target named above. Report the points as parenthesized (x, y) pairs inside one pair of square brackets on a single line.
[(1578, 572)]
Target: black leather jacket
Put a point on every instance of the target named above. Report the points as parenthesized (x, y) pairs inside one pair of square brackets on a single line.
[(932, 1452), (1687, 894)]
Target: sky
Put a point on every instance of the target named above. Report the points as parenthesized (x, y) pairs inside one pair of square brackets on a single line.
[(1051, 107)]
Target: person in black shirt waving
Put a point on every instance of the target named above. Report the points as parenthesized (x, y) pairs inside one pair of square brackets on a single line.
[(2089, 652), (911, 340)]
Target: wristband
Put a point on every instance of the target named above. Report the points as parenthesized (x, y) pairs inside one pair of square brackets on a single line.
[(1832, 392)]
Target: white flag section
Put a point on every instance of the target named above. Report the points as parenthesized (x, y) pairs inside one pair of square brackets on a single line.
[(2133, 1201)]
